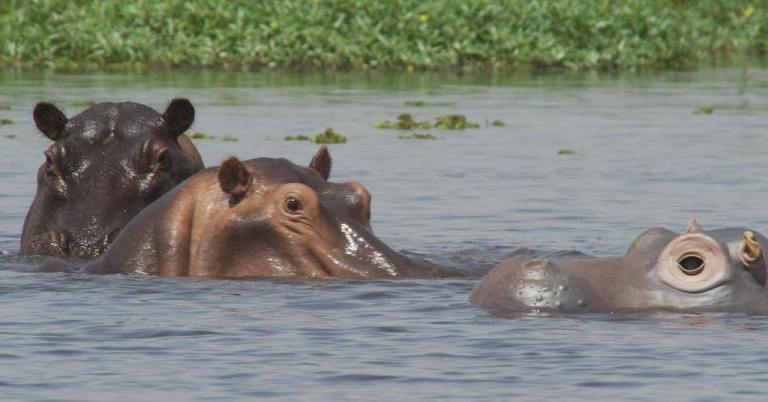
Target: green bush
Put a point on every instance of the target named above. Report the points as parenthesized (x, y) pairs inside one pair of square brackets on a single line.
[(576, 34)]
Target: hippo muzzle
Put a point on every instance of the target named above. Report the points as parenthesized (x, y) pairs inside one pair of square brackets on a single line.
[(537, 285)]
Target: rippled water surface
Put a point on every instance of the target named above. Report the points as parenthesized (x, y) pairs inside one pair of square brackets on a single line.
[(641, 158)]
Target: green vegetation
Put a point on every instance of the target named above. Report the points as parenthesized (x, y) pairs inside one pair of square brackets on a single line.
[(6, 121), (82, 103), (417, 137), (566, 151), (704, 110), (197, 135), (499, 123), (300, 137), (330, 137), (454, 122), (409, 34), (327, 137), (229, 138), (404, 122), (417, 103), (5, 106)]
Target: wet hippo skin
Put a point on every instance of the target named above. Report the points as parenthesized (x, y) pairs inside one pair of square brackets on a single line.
[(718, 270), (262, 217), (105, 165)]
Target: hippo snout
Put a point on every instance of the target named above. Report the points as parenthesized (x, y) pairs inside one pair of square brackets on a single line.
[(82, 245), (530, 285)]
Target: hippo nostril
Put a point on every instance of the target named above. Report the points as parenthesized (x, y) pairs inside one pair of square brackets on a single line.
[(691, 264), (536, 264), (58, 242), (110, 237)]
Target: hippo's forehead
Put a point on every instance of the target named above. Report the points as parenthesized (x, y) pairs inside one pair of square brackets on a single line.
[(105, 121), (654, 240), (272, 173)]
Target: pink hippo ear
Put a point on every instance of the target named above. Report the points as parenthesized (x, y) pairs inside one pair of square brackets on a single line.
[(321, 162), (49, 120), (179, 116), (234, 178)]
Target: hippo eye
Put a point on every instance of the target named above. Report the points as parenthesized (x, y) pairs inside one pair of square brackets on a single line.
[(691, 264), (163, 160), (293, 205)]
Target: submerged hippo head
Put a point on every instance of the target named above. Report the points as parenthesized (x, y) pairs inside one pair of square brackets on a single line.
[(719, 270), (105, 165), (263, 217)]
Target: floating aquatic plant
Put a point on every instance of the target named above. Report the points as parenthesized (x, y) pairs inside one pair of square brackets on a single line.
[(404, 122), (414, 103), (704, 110), (454, 122), (229, 138), (82, 103), (330, 137), (6, 121), (417, 137), (499, 123), (299, 137), (566, 151), (197, 135)]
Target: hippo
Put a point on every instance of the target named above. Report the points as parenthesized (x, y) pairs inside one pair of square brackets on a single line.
[(696, 271), (105, 165), (260, 218)]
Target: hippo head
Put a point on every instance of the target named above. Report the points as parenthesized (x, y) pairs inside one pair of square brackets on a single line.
[(285, 220), (104, 166), (719, 270)]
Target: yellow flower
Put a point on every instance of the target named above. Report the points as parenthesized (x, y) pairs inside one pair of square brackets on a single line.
[(423, 18), (748, 11), (274, 25)]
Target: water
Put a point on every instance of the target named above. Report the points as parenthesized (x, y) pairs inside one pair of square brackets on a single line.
[(642, 158)]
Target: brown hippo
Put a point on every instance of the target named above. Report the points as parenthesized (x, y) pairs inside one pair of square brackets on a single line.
[(718, 270), (106, 164), (263, 217)]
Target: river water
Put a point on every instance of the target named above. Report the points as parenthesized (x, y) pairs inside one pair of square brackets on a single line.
[(639, 157)]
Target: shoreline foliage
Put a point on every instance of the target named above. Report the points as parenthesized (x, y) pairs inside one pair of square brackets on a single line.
[(399, 34)]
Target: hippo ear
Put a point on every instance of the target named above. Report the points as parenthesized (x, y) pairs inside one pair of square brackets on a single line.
[(49, 120), (179, 116), (321, 162), (234, 178)]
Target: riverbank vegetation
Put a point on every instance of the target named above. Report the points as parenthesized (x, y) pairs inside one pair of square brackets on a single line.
[(405, 34)]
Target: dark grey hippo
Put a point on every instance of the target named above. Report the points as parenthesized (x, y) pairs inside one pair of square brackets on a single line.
[(263, 217), (718, 270), (105, 165)]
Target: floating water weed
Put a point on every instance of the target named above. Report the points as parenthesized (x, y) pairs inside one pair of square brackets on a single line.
[(417, 137), (454, 122), (197, 135), (299, 137), (404, 122), (330, 137)]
